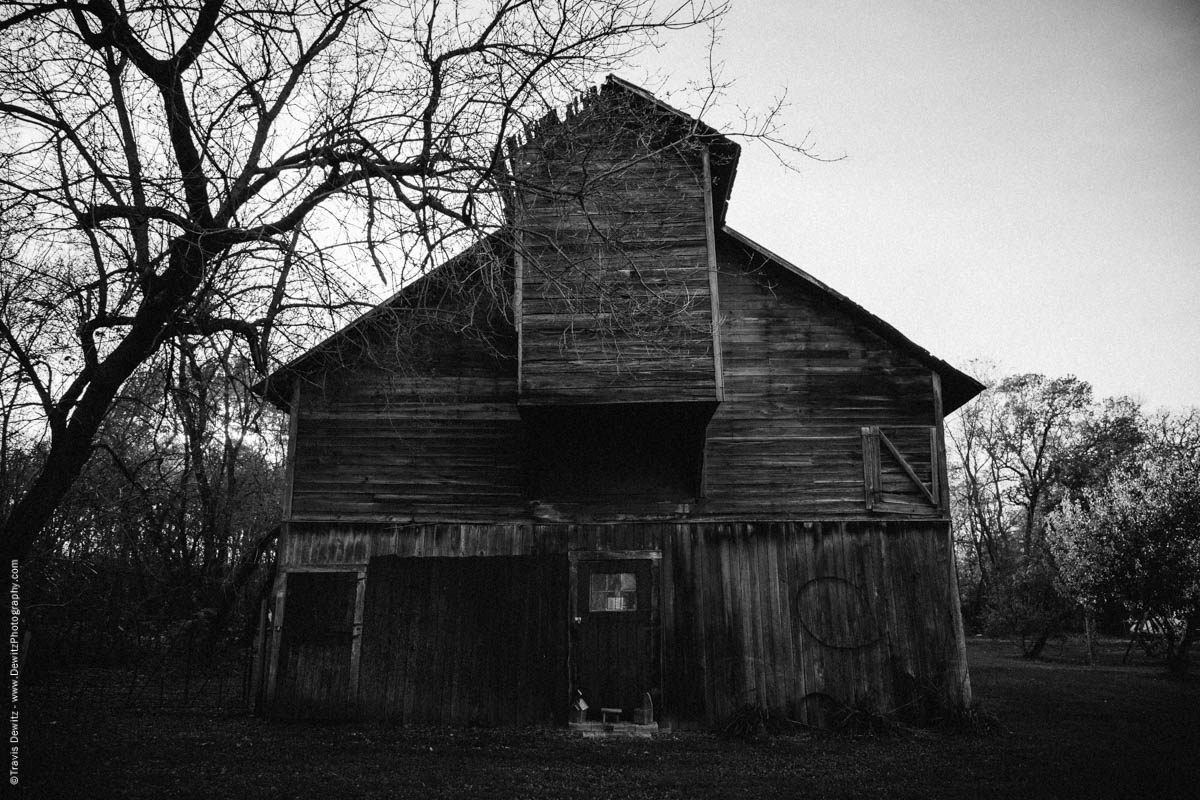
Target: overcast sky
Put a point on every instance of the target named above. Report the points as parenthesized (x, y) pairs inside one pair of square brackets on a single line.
[(1021, 181)]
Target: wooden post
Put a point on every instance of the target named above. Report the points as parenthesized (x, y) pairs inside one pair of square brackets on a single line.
[(963, 695), (275, 636), (280, 589), (262, 643), (360, 594), (870, 452), (714, 298), (939, 444), (572, 630), (518, 298)]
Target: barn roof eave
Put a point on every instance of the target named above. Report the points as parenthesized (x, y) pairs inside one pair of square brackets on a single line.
[(276, 387), (958, 388)]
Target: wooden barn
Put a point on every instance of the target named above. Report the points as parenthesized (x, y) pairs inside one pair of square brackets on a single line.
[(617, 453)]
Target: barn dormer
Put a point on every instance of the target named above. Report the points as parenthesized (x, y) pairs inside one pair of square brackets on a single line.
[(617, 205)]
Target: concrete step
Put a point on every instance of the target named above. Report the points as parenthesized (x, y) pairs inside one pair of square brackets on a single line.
[(616, 730)]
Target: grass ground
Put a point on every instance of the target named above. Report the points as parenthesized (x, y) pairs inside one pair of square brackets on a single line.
[(1065, 730)]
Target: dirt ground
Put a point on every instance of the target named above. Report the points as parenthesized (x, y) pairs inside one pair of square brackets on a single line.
[(1065, 729)]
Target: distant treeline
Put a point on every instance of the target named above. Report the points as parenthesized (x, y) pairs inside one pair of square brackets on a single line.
[(1073, 512)]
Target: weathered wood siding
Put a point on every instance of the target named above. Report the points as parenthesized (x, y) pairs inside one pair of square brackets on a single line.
[(420, 423), (468, 640), (416, 460), (313, 676), (808, 618), (425, 427), (615, 302), (800, 618), (655, 386), (355, 544), (802, 378)]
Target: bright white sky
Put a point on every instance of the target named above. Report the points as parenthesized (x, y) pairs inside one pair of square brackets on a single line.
[(1021, 181)]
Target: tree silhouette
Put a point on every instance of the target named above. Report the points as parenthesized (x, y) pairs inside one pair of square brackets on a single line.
[(223, 172)]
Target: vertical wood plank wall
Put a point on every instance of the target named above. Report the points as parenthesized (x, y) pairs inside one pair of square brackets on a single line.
[(800, 618), (314, 676), (803, 619), (468, 640)]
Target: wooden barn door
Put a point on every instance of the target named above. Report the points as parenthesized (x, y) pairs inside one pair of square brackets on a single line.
[(615, 658), (314, 668), (465, 639)]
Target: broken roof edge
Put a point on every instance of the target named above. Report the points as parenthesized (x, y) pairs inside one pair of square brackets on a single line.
[(275, 387), (724, 152), (701, 126), (958, 388), (724, 168)]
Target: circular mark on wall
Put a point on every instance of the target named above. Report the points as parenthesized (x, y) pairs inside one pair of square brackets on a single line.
[(836, 613)]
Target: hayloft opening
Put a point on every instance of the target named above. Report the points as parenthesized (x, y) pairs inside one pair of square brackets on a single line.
[(630, 451)]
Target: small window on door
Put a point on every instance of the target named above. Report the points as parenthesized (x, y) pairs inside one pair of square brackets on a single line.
[(612, 591)]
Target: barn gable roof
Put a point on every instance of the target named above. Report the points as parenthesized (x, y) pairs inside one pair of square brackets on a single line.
[(958, 388), (724, 152), (277, 387)]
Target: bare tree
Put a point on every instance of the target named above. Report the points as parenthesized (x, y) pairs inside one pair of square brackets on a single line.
[(221, 171), (1011, 447), (1023, 451)]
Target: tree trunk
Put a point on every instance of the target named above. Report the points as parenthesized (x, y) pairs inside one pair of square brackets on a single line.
[(231, 587), (1089, 634), (71, 444), (1034, 650), (69, 452), (1179, 658)]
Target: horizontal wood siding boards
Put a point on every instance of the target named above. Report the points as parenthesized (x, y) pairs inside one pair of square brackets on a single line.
[(441, 439), (615, 292), (801, 378), (427, 429), (315, 545)]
